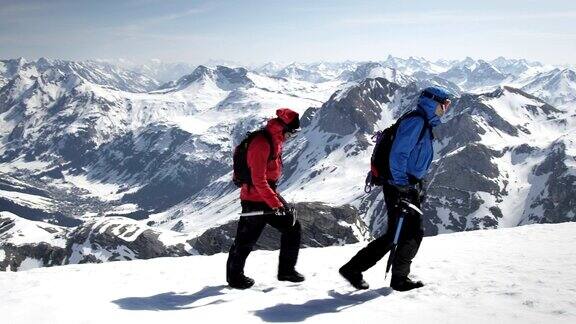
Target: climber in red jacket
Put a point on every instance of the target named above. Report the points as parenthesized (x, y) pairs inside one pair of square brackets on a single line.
[(265, 164)]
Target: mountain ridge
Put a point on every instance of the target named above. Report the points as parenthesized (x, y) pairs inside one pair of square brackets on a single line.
[(74, 150)]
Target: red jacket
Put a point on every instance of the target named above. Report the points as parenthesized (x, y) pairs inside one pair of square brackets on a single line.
[(263, 170)]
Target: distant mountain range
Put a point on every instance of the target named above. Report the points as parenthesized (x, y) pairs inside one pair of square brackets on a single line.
[(116, 148)]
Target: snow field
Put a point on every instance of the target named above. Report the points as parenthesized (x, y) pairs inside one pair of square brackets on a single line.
[(519, 275)]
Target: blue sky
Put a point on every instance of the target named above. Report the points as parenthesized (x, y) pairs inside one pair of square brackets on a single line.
[(284, 31)]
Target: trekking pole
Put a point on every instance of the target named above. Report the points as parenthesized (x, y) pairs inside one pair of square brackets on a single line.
[(397, 234)]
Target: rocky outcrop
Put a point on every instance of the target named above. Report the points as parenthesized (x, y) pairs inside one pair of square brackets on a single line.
[(25, 243), (357, 108), (28, 244), (224, 77), (557, 199), (42, 254), (144, 157), (117, 238), (375, 70), (322, 225)]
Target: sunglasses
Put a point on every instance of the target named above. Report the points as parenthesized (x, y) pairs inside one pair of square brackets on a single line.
[(445, 105), (291, 133)]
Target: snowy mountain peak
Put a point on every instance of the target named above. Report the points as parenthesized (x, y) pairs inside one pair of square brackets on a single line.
[(568, 74), (234, 76), (485, 68), (296, 71), (10, 68), (270, 68), (223, 77), (81, 133), (374, 70), (475, 76), (199, 73), (503, 91), (357, 108), (557, 87), (467, 62), (98, 73)]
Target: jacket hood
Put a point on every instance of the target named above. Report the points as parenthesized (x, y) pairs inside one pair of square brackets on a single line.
[(289, 117), (428, 105), (429, 108), (276, 129)]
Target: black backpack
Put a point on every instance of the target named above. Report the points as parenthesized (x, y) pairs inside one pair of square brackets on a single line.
[(379, 173), (242, 173)]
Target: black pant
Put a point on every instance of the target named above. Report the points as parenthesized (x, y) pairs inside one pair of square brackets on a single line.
[(249, 230), (408, 242)]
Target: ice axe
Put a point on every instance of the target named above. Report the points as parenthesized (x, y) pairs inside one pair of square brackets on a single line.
[(289, 211), (405, 209)]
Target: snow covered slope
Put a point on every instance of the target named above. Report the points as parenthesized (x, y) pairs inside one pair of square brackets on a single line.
[(17, 231), (26, 244), (558, 87), (495, 163), (80, 141), (112, 144), (377, 70), (412, 65), (326, 162), (157, 69), (501, 160), (521, 275), (311, 72), (476, 76)]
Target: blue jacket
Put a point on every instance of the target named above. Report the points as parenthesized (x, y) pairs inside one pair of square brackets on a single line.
[(409, 155)]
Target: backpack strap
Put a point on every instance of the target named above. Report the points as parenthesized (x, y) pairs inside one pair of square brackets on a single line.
[(419, 113), (264, 132)]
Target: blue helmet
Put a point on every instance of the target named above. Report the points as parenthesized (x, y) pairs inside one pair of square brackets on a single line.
[(429, 99), (438, 94)]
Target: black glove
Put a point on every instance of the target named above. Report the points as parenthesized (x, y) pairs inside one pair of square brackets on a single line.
[(288, 210), (284, 210), (408, 193)]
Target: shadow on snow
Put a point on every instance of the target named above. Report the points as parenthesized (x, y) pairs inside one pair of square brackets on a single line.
[(171, 300), (333, 304)]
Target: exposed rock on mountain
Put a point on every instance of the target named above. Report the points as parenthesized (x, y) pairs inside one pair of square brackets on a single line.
[(322, 225), (81, 143)]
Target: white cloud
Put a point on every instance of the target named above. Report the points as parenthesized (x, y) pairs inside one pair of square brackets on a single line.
[(544, 35), (176, 15), (425, 18), (22, 8)]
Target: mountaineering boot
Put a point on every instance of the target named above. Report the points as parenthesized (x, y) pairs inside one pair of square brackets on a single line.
[(240, 282), (403, 283), (354, 278), (293, 276)]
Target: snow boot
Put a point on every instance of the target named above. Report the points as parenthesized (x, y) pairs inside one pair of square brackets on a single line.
[(292, 276), (354, 278), (403, 283), (240, 282)]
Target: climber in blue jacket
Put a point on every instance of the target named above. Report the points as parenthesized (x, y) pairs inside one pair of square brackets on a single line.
[(411, 152), (410, 158)]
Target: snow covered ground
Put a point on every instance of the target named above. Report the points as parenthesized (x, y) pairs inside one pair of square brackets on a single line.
[(518, 275)]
